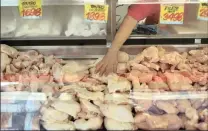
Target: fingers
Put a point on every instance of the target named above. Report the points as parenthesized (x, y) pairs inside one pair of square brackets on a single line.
[(115, 68), (98, 66), (102, 70), (109, 69)]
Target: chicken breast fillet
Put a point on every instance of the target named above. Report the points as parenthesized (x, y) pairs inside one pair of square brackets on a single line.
[(69, 107), (59, 126), (118, 84), (117, 112), (89, 107), (111, 124), (90, 124)]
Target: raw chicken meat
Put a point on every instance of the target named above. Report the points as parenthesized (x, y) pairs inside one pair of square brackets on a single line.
[(197, 103), (87, 106), (117, 112), (73, 67), (139, 67), (118, 84), (10, 51), (85, 94), (51, 115), (92, 86), (142, 105), (158, 122), (5, 60), (59, 126), (103, 79), (69, 107), (123, 57), (167, 107), (158, 85), (203, 115), (151, 65), (111, 124), (151, 54), (117, 98), (121, 68), (172, 58), (182, 105), (90, 124), (74, 77), (66, 97), (202, 126), (192, 114), (178, 82)]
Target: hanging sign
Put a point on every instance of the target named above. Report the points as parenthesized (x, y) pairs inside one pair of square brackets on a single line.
[(171, 13), (31, 9), (96, 13), (203, 11)]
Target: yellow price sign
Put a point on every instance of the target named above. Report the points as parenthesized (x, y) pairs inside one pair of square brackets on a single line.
[(30, 8), (203, 11), (171, 14), (96, 13)]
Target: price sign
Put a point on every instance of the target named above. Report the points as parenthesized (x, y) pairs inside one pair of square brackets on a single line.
[(203, 11), (30, 9), (171, 14), (96, 13)]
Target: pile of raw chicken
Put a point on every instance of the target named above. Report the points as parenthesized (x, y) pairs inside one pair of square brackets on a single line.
[(79, 99)]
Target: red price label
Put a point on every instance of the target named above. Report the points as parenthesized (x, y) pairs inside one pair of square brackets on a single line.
[(173, 16), (32, 12), (96, 16)]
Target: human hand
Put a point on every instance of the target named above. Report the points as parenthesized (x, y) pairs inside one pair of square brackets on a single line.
[(108, 64)]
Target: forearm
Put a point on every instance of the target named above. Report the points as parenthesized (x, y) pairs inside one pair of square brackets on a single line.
[(123, 33)]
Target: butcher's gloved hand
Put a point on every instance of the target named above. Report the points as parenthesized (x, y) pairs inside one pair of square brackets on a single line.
[(108, 64)]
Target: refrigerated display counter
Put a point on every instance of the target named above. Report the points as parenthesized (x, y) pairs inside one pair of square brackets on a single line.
[(52, 87)]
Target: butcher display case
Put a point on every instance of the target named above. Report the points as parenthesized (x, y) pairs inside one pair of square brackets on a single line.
[(160, 86)]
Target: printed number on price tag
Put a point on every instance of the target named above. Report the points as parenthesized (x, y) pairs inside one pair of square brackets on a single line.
[(171, 14), (96, 13), (30, 8), (203, 11)]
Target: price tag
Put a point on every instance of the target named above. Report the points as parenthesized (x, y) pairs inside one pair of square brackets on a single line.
[(203, 11), (30, 9), (96, 13), (171, 14)]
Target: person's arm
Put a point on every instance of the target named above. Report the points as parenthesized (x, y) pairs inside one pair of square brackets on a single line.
[(123, 33), (110, 61)]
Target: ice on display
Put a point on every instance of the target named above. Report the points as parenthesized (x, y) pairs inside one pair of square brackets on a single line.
[(158, 89)]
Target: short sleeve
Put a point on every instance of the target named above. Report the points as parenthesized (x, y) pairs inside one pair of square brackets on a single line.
[(141, 11)]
